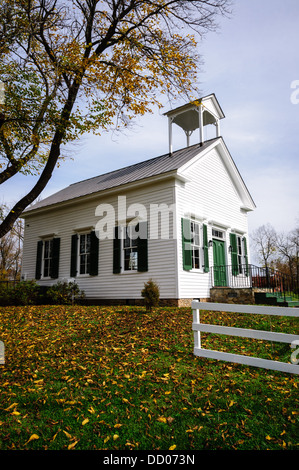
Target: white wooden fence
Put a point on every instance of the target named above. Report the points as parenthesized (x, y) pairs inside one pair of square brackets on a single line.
[(2, 361), (245, 333)]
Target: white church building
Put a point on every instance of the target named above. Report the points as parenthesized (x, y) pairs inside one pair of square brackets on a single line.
[(176, 219)]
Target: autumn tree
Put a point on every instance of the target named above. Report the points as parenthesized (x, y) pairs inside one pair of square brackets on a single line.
[(278, 250), (76, 66), (287, 245), (264, 243)]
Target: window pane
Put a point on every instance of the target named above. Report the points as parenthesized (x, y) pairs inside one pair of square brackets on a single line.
[(130, 258), (239, 245), (46, 250), (82, 243), (82, 264), (127, 259), (87, 243), (46, 267), (133, 260), (127, 239), (87, 264), (196, 264)]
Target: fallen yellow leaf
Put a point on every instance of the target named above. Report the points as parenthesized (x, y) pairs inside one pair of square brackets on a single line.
[(172, 447), (71, 446), (85, 421), (32, 438), (54, 437), (116, 436), (162, 419), (11, 406)]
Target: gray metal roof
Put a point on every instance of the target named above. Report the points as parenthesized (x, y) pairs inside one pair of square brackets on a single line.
[(153, 167)]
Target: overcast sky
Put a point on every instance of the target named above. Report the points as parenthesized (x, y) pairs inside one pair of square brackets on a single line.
[(250, 65)]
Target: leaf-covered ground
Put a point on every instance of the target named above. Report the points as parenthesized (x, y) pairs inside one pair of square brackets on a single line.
[(120, 378)]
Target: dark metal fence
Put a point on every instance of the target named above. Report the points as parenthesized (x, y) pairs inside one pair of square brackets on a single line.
[(8, 283), (248, 275)]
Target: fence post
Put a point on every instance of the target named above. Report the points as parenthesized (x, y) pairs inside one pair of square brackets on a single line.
[(196, 319), (2, 361)]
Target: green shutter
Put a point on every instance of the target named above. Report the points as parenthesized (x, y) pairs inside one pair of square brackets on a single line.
[(39, 254), (74, 255), (54, 270), (142, 248), (246, 256), (94, 254), (116, 251), (205, 248), (234, 254), (186, 245)]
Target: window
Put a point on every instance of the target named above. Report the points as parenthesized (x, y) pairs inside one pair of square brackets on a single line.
[(239, 254), (47, 257), (84, 253), (195, 244), (217, 233), (130, 248)]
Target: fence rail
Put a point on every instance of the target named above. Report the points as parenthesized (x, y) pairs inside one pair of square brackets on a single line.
[(243, 332), (9, 283)]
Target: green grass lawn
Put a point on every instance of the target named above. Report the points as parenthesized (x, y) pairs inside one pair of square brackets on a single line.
[(119, 378)]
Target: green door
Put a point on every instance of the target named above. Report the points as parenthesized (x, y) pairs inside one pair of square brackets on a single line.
[(219, 263)]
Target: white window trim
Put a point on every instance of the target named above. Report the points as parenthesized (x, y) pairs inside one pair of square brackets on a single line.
[(47, 239), (123, 237), (200, 246), (241, 236), (79, 233)]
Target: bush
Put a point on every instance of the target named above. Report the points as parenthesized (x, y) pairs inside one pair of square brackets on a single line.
[(30, 293), (151, 294), (22, 293), (65, 293)]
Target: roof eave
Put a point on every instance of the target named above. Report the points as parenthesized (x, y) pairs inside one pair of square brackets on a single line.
[(174, 174)]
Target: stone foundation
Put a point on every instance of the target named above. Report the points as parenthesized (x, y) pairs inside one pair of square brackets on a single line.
[(229, 295)]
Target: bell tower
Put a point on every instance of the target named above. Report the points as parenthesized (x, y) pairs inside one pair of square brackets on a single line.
[(195, 115)]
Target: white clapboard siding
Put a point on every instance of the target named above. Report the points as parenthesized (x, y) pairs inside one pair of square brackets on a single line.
[(211, 196), (80, 214)]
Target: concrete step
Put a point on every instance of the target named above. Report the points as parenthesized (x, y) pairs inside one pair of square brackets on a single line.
[(273, 299)]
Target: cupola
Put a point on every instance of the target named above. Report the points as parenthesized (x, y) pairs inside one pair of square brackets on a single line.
[(195, 115)]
